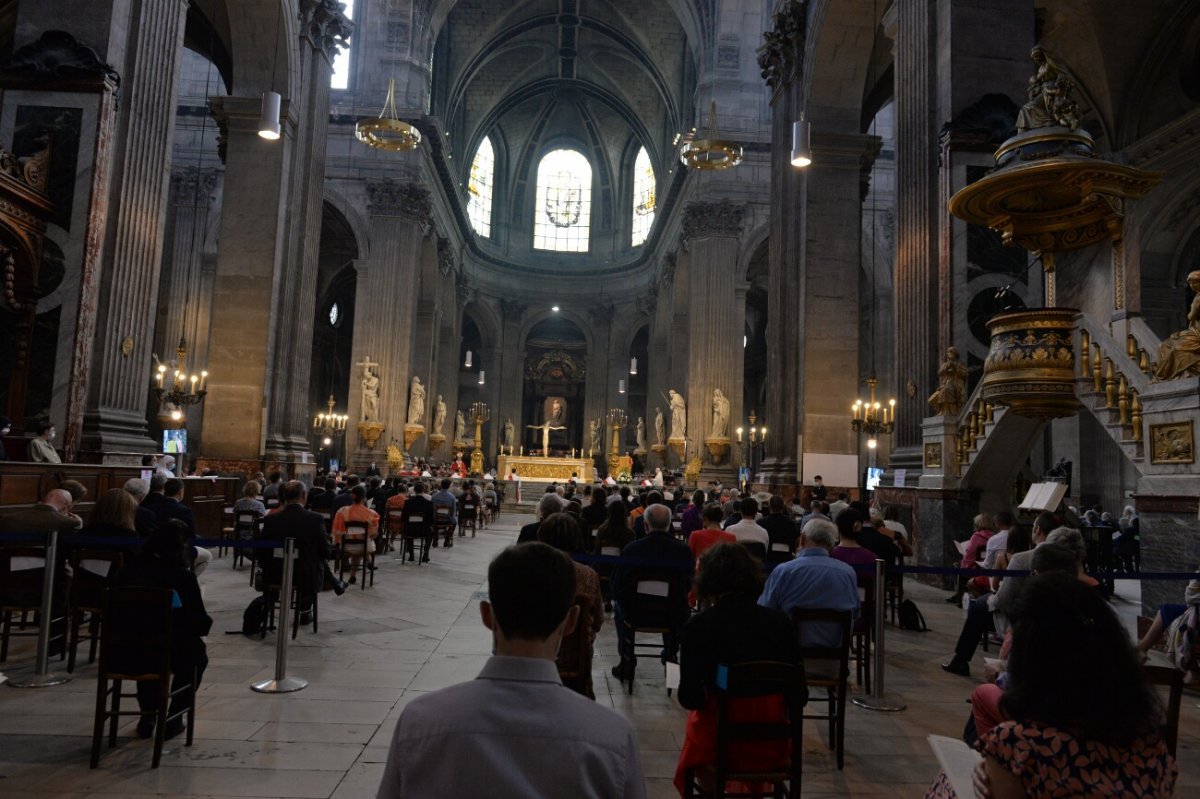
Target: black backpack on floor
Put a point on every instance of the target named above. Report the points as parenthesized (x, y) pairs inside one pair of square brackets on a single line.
[(910, 617), (255, 616)]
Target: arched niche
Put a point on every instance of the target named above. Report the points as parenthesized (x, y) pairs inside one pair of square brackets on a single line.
[(555, 370)]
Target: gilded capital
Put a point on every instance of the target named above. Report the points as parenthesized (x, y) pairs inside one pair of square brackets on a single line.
[(326, 25), (782, 51), (711, 220)]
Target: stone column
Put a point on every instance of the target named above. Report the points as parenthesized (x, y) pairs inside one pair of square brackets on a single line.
[(510, 368), (715, 316), (780, 58), (832, 307), (248, 269), (182, 294), (323, 29), (115, 419), (385, 306), (916, 276)]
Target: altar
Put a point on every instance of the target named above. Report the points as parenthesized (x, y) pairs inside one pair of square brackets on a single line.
[(536, 467)]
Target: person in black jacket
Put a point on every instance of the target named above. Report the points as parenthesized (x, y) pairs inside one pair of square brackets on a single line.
[(733, 629), (312, 547), (163, 563)]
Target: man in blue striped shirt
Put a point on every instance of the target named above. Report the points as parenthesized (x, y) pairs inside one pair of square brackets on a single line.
[(814, 580)]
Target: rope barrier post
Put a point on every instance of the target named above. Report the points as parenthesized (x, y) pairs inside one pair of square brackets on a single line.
[(42, 678), (283, 684), (877, 700)]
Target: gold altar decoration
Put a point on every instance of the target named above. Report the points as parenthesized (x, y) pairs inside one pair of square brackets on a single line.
[(387, 131), (1048, 191), (712, 152), (395, 458), (534, 467), (617, 420), (480, 413), (1031, 364), (1172, 442), (679, 445), (435, 442), (691, 472), (411, 433), (718, 449), (369, 433)]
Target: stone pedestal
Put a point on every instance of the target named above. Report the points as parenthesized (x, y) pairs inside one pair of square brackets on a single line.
[(679, 446), (718, 449), (369, 433), (435, 443), (411, 433), (940, 468)]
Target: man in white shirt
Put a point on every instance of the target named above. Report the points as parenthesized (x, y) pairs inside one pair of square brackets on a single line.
[(748, 531), (999, 540), (837, 507), (515, 731)]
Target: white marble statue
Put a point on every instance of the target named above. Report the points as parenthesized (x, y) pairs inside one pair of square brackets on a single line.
[(720, 415), (460, 427), (660, 429), (416, 401), (594, 434), (510, 435), (641, 433), (370, 391), (439, 415), (678, 415)]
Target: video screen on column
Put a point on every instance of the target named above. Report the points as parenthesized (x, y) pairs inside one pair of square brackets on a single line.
[(174, 441), (873, 475)]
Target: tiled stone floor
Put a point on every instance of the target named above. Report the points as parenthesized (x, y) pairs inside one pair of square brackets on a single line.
[(417, 630)]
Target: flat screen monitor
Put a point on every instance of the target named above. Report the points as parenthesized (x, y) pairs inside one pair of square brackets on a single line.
[(334, 464), (174, 441), (873, 475)]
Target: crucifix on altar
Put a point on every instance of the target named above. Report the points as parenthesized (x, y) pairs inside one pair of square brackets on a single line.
[(545, 428)]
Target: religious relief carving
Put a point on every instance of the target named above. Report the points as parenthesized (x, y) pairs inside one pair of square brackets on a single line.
[(370, 390), (555, 366), (1173, 442), (326, 26), (408, 200), (59, 56), (446, 259), (707, 220), (782, 52)]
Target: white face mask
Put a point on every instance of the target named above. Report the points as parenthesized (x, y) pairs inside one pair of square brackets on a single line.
[(51, 436)]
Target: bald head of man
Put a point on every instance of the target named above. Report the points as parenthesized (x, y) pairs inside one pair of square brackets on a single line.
[(58, 499)]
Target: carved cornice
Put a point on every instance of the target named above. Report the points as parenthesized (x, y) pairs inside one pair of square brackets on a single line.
[(446, 257), (722, 219), (782, 51), (406, 200), (465, 292), (59, 56), (325, 26)]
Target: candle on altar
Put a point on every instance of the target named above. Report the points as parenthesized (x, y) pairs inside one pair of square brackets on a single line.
[(522, 449), (203, 380)]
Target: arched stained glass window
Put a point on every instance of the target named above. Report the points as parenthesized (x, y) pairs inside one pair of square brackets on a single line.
[(479, 188), (644, 191), (563, 204)]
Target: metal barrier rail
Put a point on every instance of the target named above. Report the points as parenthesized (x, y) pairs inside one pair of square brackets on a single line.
[(43, 678)]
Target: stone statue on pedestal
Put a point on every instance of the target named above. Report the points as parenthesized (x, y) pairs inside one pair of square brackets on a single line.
[(1179, 354), (678, 415), (370, 391), (439, 415), (460, 427), (952, 385), (416, 401), (660, 430), (510, 435), (720, 415), (641, 434), (594, 434)]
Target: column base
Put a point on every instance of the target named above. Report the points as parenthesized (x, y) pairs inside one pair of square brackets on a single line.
[(113, 431), (778, 476), (911, 459)]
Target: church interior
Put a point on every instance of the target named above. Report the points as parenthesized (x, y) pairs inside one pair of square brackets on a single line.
[(519, 241)]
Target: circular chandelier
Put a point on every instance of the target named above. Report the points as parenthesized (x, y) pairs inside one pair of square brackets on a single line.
[(711, 153), (387, 131)]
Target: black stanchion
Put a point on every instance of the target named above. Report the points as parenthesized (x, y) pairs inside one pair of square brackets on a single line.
[(283, 684), (42, 677), (878, 699)]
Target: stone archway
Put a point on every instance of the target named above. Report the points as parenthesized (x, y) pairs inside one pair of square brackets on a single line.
[(554, 383)]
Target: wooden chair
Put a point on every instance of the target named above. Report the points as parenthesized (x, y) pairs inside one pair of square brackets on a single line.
[(756, 549), (22, 572), (91, 570), (760, 678), (827, 667), (443, 524), (863, 636), (135, 646), (394, 519), (356, 543), (273, 591), (575, 654), (651, 612), (779, 552), (226, 529), (1172, 679), (245, 528), (468, 516), (416, 536)]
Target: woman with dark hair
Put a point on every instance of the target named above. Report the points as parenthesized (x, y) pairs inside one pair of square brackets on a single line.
[(692, 520), (561, 531), (615, 532), (733, 629), (163, 563), (1080, 718)]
